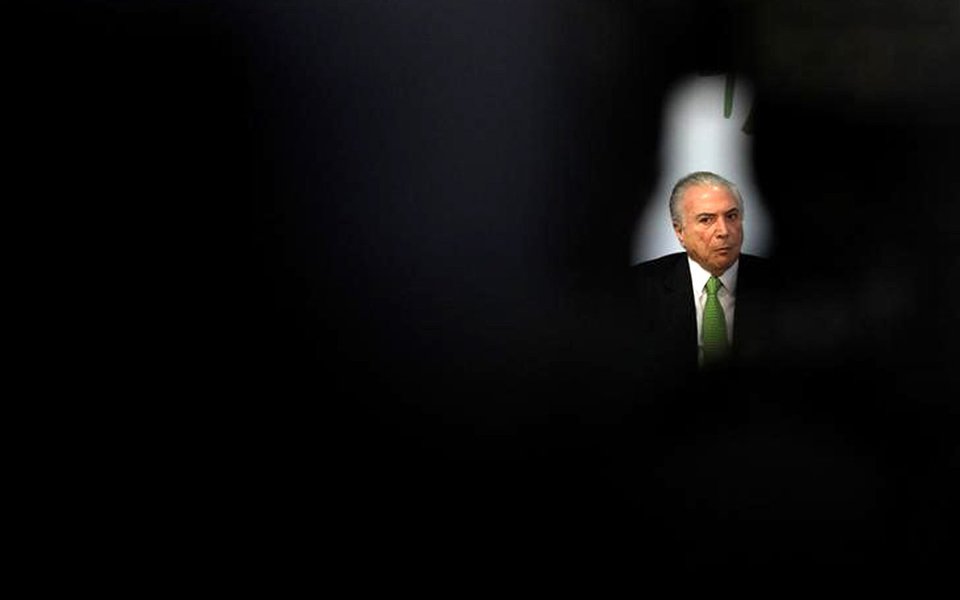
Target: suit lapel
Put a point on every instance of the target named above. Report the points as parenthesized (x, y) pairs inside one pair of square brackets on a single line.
[(681, 312), (741, 322), (749, 332)]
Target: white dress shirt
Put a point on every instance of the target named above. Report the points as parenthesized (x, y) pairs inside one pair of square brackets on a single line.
[(727, 295)]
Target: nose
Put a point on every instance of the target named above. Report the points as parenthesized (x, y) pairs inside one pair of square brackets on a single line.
[(722, 229)]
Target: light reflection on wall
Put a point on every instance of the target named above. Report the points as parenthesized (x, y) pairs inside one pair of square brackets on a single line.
[(697, 137)]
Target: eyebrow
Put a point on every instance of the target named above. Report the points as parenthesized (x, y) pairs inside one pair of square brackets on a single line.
[(706, 214)]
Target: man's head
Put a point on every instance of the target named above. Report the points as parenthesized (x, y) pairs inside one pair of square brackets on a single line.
[(707, 215)]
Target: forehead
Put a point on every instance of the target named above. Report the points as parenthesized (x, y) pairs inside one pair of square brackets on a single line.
[(708, 198)]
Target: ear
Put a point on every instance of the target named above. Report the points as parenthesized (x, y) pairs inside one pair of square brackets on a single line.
[(678, 231)]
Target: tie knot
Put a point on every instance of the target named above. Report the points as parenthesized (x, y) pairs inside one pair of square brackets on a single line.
[(713, 284)]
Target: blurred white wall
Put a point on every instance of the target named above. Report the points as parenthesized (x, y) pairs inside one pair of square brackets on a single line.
[(697, 137)]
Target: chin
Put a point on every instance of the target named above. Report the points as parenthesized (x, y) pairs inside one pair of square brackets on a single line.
[(726, 263)]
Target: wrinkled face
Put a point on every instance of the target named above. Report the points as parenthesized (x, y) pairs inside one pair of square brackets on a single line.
[(712, 227)]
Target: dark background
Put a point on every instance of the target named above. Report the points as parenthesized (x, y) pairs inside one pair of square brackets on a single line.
[(367, 258)]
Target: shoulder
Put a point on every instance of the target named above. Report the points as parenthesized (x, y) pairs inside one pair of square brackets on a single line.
[(755, 264), (756, 271), (660, 266), (664, 273), (754, 260)]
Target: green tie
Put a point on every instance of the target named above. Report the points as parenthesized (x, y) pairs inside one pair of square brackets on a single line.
[(714, 334)]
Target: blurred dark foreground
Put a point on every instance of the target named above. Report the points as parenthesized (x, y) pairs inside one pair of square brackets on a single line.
[(367, 262)]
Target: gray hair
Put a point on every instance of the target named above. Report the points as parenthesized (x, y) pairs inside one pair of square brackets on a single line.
[(699, 178)]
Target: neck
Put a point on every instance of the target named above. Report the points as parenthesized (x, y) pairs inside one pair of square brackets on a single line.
[(712, 270)]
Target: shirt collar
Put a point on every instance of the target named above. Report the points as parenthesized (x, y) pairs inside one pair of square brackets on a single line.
[(699, 276)]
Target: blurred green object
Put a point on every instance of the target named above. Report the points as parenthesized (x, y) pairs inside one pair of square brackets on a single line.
[(728, 96)]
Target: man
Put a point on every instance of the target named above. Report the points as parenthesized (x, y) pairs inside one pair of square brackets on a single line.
[(704, 307)]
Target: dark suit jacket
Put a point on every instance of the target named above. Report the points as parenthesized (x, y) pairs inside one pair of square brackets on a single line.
[(668, 320)]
